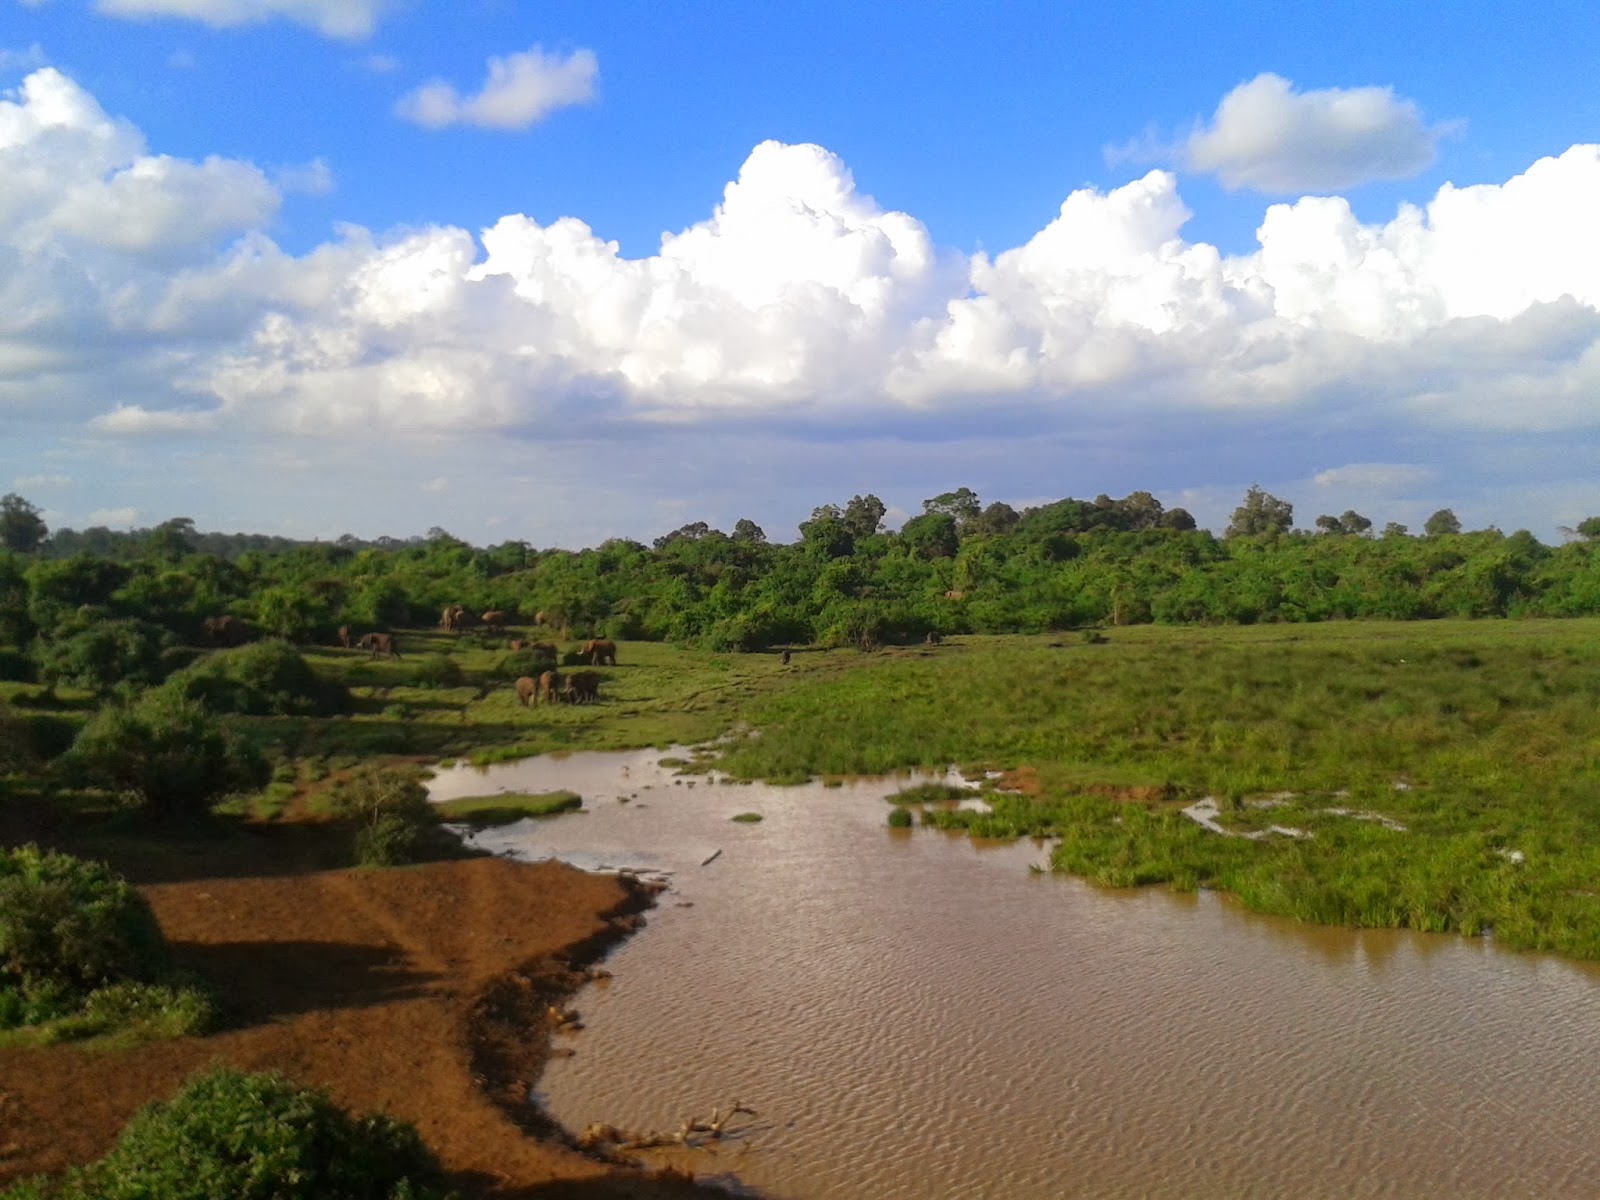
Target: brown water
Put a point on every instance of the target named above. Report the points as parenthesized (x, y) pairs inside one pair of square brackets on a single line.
[(917, 1015)]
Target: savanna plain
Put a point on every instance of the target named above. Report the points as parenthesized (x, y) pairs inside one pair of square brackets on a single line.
[(1439, 776)]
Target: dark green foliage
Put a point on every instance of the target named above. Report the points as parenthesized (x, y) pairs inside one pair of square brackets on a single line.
[(22, 529), (1441, 523), (253, 1137), (899, 818), (100, 654), (16, 667), (168, 751), (438, 671), (261, 679), (1261, 512), (67, 927), (390, 809), (517, 664)]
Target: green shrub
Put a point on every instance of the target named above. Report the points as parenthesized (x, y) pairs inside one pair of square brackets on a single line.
[(104, 654), (72, 924), (269, 678), (133, 1011), (899, 818), (170, 752), (391, 810), (437, 671), (930, 792), (748, 818), (253, 1137), (525, 662)]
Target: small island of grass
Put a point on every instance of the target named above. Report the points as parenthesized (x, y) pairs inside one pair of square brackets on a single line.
[(748, 818), (506, 807)]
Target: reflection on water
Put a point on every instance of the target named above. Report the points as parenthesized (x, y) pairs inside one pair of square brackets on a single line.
[(915, 1014)]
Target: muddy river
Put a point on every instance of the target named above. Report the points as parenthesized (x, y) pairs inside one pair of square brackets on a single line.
[(914, 1014)]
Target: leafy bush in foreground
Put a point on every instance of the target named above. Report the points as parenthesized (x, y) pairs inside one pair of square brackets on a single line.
[(170, 752), (70, 924), (252, 1137)]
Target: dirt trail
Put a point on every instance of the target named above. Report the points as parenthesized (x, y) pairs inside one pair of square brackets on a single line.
[(377, 985)]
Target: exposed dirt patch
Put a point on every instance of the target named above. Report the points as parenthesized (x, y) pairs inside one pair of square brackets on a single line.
[(416, 991), (1024, 781)]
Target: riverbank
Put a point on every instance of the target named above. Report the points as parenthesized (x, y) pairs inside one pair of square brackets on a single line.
[(413, 991)]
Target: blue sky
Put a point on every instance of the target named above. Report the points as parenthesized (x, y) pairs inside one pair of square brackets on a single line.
[(250, 283)]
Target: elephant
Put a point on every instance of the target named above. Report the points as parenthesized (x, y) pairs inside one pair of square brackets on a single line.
[(786, 658), (516, 644), (378, 643), (452, 618), (526, 691), (934, 637), (600, 652), (541, 618), (344, 636), (226, 630), (582, 687), (543, 650), (494, 619), (550, 684)]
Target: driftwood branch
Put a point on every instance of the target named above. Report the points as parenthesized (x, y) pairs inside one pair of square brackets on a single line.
[(693, 1133)]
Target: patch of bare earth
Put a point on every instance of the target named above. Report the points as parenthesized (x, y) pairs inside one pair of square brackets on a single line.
[(417, 991)]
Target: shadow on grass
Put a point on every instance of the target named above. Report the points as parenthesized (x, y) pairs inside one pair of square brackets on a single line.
[(261, 980)]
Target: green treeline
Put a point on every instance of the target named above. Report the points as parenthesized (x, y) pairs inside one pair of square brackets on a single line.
[(95, 620)]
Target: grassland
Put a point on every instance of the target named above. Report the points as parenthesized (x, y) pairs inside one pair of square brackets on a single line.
[(1481, 739), (1435, 775)]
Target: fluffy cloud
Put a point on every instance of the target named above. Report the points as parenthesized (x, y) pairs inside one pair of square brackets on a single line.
[(336, 18), (139, 296), (520, 90), (1267, 137), (1375, 477)]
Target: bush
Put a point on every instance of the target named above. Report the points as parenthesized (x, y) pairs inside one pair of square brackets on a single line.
[(391, 810), (525, 662), (437, 671), (269, 678), (105, 654), (68, 926), (254, 1137), (899, 818), (170, 752)]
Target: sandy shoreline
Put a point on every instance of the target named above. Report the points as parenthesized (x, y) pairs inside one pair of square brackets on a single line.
[(413, 991)]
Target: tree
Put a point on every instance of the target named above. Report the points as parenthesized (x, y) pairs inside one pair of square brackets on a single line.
[(171, 540), (1261, 512), (21, 527), (1350, 523), (999, 517), (960, 505), (747, 531), (1588, 529), (863, 516), (1442, 522), (932, 535), (1180, 519), (391, 810)]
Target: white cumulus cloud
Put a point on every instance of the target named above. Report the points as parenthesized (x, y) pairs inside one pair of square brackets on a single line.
[(1270, 138), (1375, 477), (353, 19), (521, 89)]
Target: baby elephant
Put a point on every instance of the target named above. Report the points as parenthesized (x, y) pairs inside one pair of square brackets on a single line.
[(526, 691)]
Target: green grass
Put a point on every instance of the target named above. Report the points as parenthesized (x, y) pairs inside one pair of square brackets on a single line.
[(748, 818), (506, 807), (1491, 728)]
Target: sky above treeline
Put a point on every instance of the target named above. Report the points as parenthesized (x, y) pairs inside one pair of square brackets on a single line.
[(563, 271)]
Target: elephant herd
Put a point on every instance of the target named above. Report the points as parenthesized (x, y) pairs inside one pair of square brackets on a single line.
[(581, 687)]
